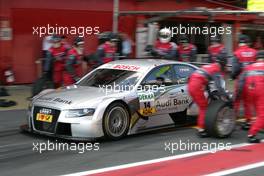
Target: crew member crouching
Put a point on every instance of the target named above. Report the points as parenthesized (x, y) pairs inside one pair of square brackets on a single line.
[(199, 83)]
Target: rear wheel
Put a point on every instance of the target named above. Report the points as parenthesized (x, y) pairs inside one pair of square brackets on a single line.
[(220, 119), (116, 121)]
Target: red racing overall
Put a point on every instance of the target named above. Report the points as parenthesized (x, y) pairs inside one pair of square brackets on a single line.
[(244, 56), (73, 67), (56, 57), (165, 50), (187, 53), (197, 85), (216, 51), (253, 80), (107, 52)]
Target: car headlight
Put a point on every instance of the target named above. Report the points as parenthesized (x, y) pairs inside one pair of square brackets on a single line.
[(79, 112)]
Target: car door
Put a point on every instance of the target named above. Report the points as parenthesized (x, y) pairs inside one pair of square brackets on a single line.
[(179, 95), (154, 96)]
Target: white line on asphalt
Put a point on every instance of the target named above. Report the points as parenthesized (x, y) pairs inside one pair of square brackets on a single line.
[(124, 166), (238, 169)]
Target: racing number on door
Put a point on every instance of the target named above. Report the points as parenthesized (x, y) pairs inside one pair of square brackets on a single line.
[(148, 110), (147, 106)]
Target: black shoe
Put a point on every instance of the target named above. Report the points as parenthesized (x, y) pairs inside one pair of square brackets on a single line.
[(246, 126), (202, 133), (4, 103), (253, 139)]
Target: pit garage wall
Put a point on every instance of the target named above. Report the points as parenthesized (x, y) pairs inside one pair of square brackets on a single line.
[(24, 48), (27, 47)]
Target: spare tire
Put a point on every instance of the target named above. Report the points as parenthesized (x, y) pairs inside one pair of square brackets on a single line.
[(220, 119)]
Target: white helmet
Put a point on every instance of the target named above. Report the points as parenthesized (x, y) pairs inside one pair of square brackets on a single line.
[(165, 35)]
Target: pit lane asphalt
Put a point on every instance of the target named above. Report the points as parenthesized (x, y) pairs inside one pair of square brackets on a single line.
[(18, 158)]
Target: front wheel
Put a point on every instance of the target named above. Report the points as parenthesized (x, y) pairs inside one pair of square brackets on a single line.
[(220, 119), (116, 121)]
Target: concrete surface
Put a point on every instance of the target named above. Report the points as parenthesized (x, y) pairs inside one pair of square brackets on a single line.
[(19, 94)]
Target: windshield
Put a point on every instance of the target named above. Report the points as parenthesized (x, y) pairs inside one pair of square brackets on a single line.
[(110, 77)]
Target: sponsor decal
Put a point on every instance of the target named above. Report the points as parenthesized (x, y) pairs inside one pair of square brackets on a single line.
[(162, 105), (162, 71), (45, 99), (169, 104), (180, 102), (184, 69), (144, 97), (148, 111), (147, 106), (126, 67), (45, 111), (44, 117), (247, 54), (58, 100)]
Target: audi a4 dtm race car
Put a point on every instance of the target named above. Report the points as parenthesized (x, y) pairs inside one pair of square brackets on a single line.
[(116, 99)]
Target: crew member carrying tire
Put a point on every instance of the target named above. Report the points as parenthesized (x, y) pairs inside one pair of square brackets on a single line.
[(163, 48), (55, 61), (199, 83), (73, 62), (251, 84), (216, 50), (186, 51), (243, 56)]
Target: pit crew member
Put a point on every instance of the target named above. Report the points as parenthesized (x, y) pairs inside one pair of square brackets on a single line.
[(199, 83), (186, 51), (216, 50), (163, 47), (251, 84), (106, 52), (55, 60), (243, 56), (73, 62)]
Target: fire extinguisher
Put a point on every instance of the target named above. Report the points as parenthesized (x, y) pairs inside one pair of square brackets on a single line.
[(9, 76)]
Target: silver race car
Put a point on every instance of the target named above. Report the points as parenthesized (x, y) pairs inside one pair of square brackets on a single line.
[(117, 99)]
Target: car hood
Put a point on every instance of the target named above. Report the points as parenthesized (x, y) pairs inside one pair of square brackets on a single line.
[(74, 97)]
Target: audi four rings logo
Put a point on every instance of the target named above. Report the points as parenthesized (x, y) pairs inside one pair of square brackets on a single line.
[(45, 111)]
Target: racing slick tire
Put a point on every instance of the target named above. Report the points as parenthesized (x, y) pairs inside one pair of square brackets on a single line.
[(116, 121), (220, 119)]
